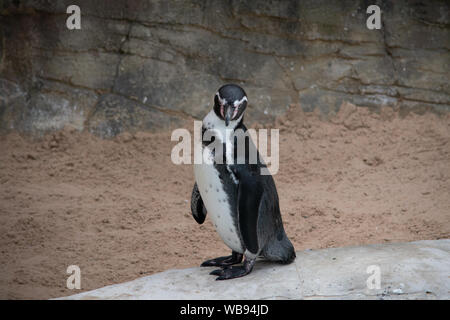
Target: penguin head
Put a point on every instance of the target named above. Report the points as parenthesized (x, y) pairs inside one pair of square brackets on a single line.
[(230, 102)]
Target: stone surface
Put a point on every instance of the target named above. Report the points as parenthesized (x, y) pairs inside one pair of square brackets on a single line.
[(171, 56), (415, 270)]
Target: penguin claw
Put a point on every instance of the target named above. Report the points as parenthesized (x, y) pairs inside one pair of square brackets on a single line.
[(217, 262), (235, 271), (217, 272), (231, 273), (223, 261)]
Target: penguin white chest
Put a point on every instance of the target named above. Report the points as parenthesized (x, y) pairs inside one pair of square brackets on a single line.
[(217, 204)]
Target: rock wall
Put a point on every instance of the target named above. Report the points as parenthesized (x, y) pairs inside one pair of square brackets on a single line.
[(140, 65)]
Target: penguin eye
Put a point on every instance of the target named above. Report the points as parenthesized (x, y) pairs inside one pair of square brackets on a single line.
[(235, 110)]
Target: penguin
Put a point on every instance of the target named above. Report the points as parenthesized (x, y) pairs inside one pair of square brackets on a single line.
[(242, 203)]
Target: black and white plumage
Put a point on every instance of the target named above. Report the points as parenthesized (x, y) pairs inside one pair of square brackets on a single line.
[(242, 203)]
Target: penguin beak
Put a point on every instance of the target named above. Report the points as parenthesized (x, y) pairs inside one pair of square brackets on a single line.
[(228, 114)]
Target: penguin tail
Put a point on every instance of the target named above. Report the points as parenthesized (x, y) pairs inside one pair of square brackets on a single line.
[(280, 250)]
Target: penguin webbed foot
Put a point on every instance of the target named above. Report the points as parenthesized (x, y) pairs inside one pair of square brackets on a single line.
[(227, 261), (232, 272)]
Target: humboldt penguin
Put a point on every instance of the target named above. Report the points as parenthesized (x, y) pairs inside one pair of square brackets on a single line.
[(229, 185)]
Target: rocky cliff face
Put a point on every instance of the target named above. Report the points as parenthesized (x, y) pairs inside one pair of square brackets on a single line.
[(138, 65)]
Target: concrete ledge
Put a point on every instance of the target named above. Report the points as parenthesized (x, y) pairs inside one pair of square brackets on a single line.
[(415, 270)]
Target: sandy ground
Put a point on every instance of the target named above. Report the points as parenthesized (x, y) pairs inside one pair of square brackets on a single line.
[(119, 209)]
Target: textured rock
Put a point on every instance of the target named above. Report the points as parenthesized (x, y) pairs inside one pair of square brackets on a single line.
[(115, 114), (415, 270), (170, 57)]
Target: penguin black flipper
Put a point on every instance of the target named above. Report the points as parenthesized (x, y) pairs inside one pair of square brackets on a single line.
[(250, 192), (198, 209)]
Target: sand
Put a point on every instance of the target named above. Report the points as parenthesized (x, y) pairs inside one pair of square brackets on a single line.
[(119, 209)]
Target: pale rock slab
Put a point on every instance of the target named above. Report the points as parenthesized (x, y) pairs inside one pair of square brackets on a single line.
[(415, 270)]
